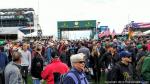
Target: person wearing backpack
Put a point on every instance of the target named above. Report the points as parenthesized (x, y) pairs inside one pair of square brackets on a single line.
[(53, 71), (76, 74), (12, 71)]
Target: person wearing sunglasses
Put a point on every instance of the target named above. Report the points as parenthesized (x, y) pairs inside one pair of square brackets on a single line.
[(76, 74)]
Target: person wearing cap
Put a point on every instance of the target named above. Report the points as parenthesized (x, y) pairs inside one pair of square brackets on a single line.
[(12, 70), (122, 71), (56, 66), (76, 74), (142, 51)]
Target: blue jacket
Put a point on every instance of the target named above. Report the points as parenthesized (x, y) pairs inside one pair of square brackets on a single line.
[(71, 78), (3, 60), (48, 54)]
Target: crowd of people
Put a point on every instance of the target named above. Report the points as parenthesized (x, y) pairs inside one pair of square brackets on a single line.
[(76, 61)]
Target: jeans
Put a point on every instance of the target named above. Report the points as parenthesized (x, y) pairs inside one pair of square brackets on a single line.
[(36, 81)]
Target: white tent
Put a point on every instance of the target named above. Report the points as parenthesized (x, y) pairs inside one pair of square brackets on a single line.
[(20, 35), (31, 34), (147, 32)]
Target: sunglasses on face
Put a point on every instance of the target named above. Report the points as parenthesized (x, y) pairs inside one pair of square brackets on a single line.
[(81, 62), (127, 56)]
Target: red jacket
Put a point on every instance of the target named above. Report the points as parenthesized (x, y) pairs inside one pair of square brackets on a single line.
[(148, 47), (55, 66)]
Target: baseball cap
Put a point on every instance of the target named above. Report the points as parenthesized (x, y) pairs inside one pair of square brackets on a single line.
[(124, 54), (139, 46), (77, 57)]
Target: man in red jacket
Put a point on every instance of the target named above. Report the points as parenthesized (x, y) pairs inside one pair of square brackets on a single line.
[(56, 66)]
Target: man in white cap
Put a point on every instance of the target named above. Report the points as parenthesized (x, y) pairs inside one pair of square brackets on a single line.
[(76, 74)]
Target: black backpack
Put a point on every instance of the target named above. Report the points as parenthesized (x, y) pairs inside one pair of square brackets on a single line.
[(57, 76), (111, 76)]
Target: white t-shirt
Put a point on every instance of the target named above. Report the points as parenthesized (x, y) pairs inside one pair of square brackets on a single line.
[(26, 58)]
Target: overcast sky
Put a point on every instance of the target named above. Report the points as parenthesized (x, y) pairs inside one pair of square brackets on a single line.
[(114, 13)]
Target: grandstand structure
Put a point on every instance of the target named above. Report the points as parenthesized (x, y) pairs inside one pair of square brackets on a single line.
[(16, 22)]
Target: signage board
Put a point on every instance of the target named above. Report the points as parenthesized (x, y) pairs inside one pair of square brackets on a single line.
[(76, 24)]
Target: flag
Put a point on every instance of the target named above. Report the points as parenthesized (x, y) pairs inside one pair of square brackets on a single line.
[(100, 35), (107, 32), (113, 33), (134, 25), (140, 25)]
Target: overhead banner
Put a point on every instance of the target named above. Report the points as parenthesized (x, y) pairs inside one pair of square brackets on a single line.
[(76, 24)]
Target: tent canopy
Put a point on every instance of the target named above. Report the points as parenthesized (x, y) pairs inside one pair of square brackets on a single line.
[(31, 34), (147, 32)]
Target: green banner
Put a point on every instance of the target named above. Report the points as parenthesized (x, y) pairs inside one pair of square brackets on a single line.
[(76, 24)]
